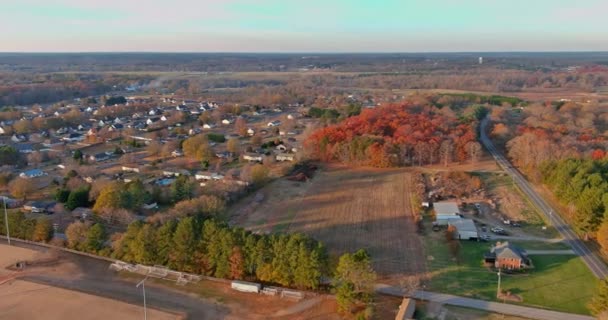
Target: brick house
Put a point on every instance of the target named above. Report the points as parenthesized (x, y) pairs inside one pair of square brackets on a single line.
[(507, 256)]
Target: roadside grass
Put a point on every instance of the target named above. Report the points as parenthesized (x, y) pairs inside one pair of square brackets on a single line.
[(557, 282), (533, 220), (539, 245)]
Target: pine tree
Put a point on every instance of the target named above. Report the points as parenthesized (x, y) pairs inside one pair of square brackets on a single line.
[(164, 242), (184, 242), (145, 244)]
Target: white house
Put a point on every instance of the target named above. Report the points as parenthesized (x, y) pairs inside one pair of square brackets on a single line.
[(208, 126), (286, 157), (250, 132), (130, 169), (253, 157), (226, 121)]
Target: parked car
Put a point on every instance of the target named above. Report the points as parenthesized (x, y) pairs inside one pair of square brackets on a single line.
[(484, 238), (484, 228), (497, 229), (515, 224)]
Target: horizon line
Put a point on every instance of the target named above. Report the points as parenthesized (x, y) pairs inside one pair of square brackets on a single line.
[(302, 52)]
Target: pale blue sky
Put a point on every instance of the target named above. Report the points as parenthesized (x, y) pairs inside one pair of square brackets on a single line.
[(303, 26)]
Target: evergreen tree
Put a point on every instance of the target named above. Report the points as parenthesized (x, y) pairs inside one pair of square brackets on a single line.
[(78, 198), (184, 243), (145, 245), (164, 242)]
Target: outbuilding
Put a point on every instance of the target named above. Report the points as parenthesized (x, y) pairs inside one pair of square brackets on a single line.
[(445, 212), (465, 229)]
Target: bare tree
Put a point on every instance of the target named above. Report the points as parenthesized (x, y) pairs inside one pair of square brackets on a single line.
[(446, 151), (475, 150)]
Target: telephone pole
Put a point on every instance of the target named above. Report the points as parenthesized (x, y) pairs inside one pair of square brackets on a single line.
[(498, 289), (8, 234), (143, 286)]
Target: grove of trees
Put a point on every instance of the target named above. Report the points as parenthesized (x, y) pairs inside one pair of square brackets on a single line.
[(396, 135), (209, 247)]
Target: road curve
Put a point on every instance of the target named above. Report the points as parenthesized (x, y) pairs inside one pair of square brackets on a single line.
[(592, 260)]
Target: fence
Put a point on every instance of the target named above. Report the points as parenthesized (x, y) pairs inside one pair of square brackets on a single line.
[(50, 246), (165, 273)]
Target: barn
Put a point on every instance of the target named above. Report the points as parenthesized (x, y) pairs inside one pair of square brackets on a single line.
[(445, 212), (465, 229)]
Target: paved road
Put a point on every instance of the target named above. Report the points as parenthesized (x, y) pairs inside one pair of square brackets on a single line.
[(98, 280), (594, 262), (510, 309), (525, 238), (550, 252)]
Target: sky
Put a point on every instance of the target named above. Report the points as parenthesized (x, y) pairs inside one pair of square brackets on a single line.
[(303, 25)]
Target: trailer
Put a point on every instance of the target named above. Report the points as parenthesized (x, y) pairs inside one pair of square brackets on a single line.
[(245, 286)]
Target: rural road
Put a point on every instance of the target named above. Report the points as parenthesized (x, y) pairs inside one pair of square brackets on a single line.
[(592, 260), (550, 252), (526, 312), (98, 280)]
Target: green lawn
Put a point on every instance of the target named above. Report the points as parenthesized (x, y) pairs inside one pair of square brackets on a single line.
[(560, 283)]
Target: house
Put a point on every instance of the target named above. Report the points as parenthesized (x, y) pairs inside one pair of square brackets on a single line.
[(406, 309), (274, 123), (505, 255), (152, 120), (286, 157), (208, 176), (252, 157), (281, 147), (24, 148), (177, 153), (39, 206), (130, 169), (208, 126), (446, 211), (2, 130), (227, 121), (18, 138), (250, 132), (52, 142), (73, 137), (116, 127), (102, 156), (465, 229), (32, 173)]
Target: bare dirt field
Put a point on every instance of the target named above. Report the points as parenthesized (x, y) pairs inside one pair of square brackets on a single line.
[(10, 255), (28, 300), (347, 209)]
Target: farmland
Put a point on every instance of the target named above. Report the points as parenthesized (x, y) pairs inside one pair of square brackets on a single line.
[(347, 209)]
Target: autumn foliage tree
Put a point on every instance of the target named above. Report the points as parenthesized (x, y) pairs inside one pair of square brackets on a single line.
[(395, 135)]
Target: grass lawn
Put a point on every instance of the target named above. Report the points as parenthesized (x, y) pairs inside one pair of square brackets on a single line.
[(561, 283)]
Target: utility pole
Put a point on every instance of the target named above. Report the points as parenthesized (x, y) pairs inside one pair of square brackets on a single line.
[(143, 286), (8, 234), (498, 289)]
